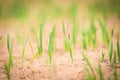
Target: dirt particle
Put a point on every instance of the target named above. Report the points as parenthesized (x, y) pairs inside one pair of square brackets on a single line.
[(22, 77)]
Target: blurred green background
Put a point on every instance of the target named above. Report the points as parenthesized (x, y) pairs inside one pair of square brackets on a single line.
[(35, 10)]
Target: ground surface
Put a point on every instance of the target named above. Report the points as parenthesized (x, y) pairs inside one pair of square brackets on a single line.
[(61, 69)]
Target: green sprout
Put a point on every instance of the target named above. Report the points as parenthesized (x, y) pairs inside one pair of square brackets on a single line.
[(40, 49), (10, 63), (103, 56), (70, 49), (89, 64), (93, 33), (51, 44), (105, 36), (111, 52), (74, 32), (115, 69), (67, 43), (118, 49), (88, 37), (66, 40), (112, 32), (84, 44), (100, 72), (89, 76), (39, 43), (63, 28), (71, 55), (23, 44)]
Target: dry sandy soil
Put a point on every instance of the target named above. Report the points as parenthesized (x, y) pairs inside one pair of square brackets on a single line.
[(61, 69)]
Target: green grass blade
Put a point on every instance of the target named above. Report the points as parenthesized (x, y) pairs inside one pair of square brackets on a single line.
[(10, 63), (112, 32), (51, 44), (115, 69), (100, 72), (40, 49), (9, 45), (23, 55), (105, 36), (66, 44), (111, 52), (103, 56), (84, 45), (89, 64), (71, 55), (93, 33), (7, 71), (8, 42), (63, 28), (118, 50)]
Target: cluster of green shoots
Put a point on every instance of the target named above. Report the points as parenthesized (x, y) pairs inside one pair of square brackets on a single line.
[(10, 63), (51, 46), (112, 51), (39, 44), (67, 43), (105, 36), (89, 36), (92, 74)]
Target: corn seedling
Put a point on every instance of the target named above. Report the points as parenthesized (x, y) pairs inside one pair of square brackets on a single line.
[(10, 63), (103, 56), (40, 49), (118, 49), (71, 55), (22, 43), (66, 40), (111, 52), (89, 65), (67, 44), (70, 49), (39, 43), (100, 72), (51, 44)]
